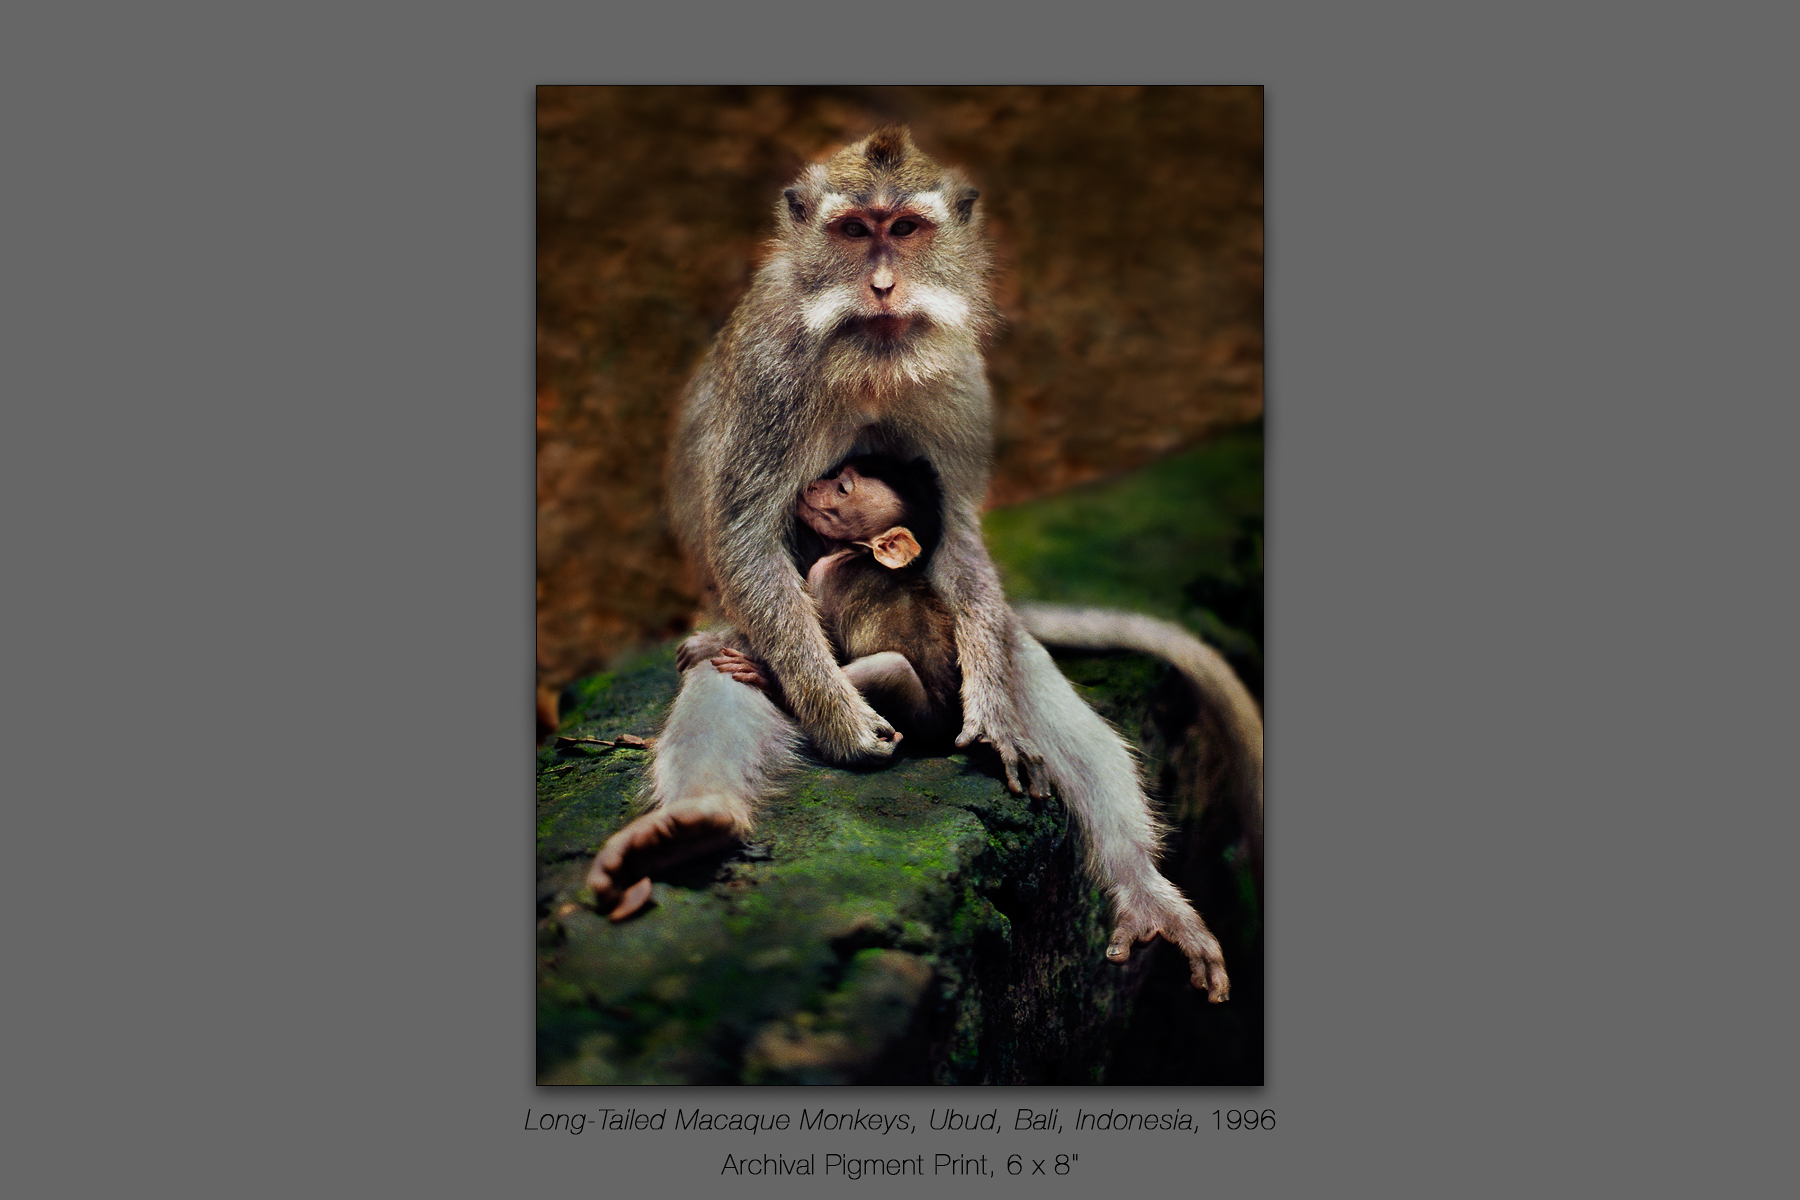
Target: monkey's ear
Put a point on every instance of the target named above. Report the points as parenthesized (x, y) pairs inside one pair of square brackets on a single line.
[(965, 204), (895, 548), (796, 204)]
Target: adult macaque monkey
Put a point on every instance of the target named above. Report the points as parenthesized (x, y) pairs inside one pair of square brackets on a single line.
[(861, 334)]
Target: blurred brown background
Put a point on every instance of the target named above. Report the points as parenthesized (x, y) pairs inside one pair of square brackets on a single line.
[(1128, 229)]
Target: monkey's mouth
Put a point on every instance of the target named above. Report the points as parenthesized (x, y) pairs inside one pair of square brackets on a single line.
[(815, 516), (886, 327)]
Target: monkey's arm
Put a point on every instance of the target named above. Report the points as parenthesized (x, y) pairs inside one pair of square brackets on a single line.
[(762, 593), (965, 576)]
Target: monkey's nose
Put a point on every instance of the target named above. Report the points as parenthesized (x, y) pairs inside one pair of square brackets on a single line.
[(882, 282)]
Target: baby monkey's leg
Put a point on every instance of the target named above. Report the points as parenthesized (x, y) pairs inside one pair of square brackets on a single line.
[(891, 686)]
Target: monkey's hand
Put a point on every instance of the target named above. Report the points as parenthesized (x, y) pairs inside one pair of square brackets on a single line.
[(849, 731), (741, 667), (997, 724)]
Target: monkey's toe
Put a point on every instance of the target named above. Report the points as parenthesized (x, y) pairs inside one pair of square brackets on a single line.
[(636, 896), (1206, 961), (1125, 935), (1174, 921), (1012, 778), (1214, 983), (1207, 973)]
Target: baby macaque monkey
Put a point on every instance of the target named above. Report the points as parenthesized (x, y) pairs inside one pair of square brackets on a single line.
[(877, 521)]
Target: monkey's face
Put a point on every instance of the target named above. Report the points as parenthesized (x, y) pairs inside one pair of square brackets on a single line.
[(848, 506), (880, 253), (884, 245)]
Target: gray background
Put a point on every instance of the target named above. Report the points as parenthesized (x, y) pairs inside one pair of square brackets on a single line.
[(266, 459)]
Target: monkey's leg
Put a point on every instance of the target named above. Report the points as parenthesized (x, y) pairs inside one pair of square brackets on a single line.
[(722, 744), (1094, 773), (1214, 683), (891, 686)]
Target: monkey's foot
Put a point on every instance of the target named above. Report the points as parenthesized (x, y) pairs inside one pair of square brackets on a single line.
[(697, 649), (740, 667), (1175, 920), (620, 876)]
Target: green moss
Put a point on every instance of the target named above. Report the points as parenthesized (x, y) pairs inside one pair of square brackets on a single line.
[(1180, 539)]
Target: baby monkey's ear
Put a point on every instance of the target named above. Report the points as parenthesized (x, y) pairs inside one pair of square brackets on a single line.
[(895, 548)]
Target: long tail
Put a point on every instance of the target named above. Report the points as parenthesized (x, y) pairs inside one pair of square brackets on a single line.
[(1217, 685)]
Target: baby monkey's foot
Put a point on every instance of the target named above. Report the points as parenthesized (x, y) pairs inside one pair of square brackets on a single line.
[(697, 649), (620, 876)]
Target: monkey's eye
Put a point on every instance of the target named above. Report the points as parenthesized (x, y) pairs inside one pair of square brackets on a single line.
[(855, 229), (843, 487), (902, 228)]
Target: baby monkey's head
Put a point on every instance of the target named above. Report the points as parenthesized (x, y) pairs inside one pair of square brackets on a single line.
[(889, 506)]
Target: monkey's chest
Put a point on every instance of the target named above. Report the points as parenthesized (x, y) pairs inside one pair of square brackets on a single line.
[(881, 429)]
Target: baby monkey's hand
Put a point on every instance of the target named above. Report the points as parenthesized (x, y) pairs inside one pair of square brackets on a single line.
[(741, 667)]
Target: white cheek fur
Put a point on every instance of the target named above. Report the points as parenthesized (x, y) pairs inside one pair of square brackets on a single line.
[(941, 304), (829, 307)]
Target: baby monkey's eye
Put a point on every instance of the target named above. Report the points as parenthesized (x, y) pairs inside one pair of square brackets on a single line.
[(855, 229), (843, 487), (902, 228)]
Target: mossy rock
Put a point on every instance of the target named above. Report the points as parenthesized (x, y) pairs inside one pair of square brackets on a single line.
[(911, 924)]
